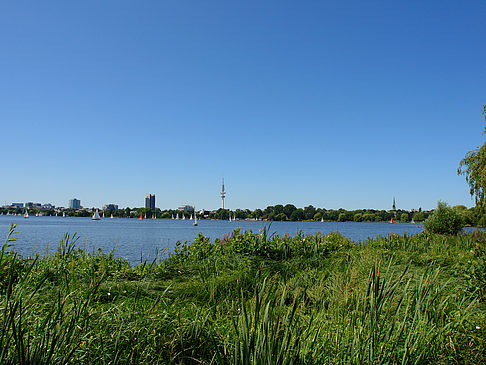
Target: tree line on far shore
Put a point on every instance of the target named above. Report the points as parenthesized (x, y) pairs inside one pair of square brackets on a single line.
[(279, 212)]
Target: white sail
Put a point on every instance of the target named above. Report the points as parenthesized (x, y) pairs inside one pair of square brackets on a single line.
[(195, 216), (183, 217), (96, 216), (63, 214), (111, 217), (172, 216), (177, 216), (26, 214), (191, 217), (103, 214)]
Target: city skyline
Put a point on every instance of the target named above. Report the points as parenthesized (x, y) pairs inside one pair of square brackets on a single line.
[(336, 105)]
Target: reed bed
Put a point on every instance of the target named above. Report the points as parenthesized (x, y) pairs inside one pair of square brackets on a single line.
[(250, 298)]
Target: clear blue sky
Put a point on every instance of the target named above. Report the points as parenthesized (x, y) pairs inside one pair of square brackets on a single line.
[(334, 104)]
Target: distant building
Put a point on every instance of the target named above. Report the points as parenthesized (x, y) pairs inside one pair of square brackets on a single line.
[(150, 201), (29, 205), (74, 204), (48, 206), (18, 205), (111, 207), (186, 208)]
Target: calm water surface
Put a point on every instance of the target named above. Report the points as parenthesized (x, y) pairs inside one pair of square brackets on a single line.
[(133, 239)]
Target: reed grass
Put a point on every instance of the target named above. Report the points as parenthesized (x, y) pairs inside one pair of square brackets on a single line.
[(250, 298)]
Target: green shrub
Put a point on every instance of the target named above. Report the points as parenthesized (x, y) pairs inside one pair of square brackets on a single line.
[(444, 220)]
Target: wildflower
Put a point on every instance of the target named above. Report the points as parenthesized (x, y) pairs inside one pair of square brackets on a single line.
[(108, 294), (478, 328)]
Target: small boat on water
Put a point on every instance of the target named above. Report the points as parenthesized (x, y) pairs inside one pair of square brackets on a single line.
[(103, 214), (96, 216), (26, 214), (391, 221), (177, 216), (413, 222), (172, 216), (141, 218), (64, 214), (111, 216), (183, 217), (195, 220)]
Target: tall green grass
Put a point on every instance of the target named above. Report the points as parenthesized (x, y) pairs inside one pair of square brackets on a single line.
[(250, 298)]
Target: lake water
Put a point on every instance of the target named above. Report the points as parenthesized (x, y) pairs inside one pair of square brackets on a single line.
[(133, 238)]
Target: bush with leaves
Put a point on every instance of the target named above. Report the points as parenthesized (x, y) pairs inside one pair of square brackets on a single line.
[(444, 220)]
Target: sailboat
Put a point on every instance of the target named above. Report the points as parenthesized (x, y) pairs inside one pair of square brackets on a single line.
[(111, 216), (183, 217), (103, 214), (322, 219), (172, 216), (177, 216), (413, 222), (391, 220), (190, 218), (96, 216), (234, 217), (26, 214), (145, 216), (153, 216), (64, 214), (140, 216), (195, 219), (229, 217)]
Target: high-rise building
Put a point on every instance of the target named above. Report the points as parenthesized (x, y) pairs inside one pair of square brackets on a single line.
[(74, 203), (150, 201)]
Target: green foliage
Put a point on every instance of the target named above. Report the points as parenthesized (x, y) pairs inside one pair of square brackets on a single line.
[(404, 218), (251, 298), (444, 220), (473, 166)]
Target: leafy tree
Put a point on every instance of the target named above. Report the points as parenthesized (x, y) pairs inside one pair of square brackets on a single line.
[(297, 215), (318, 216), (444, 220), (358, 217), (309, 212), (289, 209), (279, 208), (404, 217), (418, 217), (280, 217), (368, 217), (473, 166), (257, 213)]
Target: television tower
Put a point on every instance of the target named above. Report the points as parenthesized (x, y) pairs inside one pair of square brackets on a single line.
[(223, 194)]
